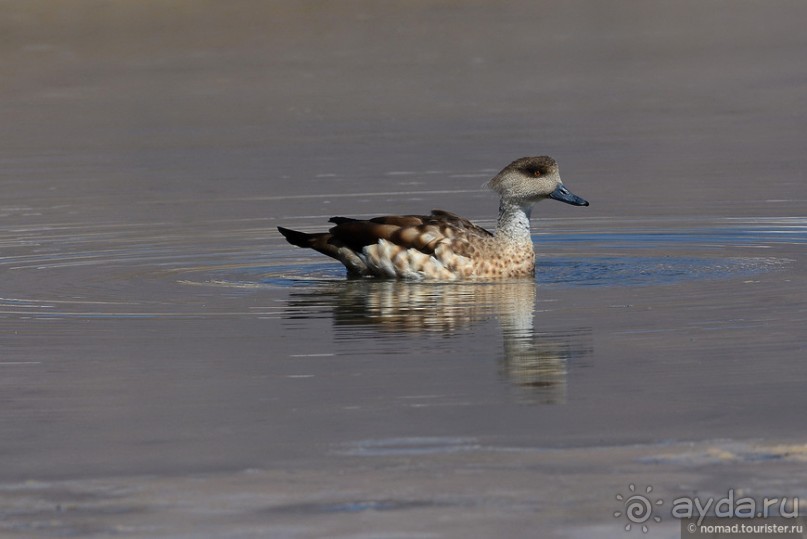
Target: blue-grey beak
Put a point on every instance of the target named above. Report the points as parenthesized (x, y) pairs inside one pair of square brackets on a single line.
[(564, 195)]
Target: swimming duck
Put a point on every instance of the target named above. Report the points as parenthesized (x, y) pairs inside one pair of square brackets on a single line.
[(442, 245)]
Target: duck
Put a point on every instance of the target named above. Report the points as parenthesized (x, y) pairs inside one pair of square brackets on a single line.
[(442, 245)]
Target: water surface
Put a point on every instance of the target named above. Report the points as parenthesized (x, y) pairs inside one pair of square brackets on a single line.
[(172, 368)]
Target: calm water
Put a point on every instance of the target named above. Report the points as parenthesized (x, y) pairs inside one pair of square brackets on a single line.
[(172, 368)]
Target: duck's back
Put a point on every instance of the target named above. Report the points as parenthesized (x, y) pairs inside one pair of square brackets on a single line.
[(441, 245)]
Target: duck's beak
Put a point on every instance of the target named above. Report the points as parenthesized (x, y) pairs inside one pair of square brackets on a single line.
[(564, 195)]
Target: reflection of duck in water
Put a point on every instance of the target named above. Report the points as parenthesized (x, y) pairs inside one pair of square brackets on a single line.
[(535, 362), (443, 245)]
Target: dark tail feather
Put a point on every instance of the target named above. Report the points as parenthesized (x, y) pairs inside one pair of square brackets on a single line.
[(322, 242), (300, 239)]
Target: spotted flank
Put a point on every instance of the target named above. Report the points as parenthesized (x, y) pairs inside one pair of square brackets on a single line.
[(442, 245)]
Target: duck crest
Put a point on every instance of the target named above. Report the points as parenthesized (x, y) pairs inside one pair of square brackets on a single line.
[(443, 245)]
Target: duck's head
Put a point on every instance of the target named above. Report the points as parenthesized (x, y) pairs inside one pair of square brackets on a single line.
[(530, 179)]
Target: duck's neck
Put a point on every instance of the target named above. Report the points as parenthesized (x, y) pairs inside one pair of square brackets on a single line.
[(513, 224)]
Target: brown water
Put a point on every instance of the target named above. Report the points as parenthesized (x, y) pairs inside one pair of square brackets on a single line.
[(172, 368)]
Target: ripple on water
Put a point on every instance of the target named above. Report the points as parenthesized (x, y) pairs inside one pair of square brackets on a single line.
[(119, 272), (552, 271), (646, 271), (626, 268)]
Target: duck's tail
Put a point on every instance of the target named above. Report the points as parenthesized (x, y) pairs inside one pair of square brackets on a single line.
[(325, 243), (300, 239)]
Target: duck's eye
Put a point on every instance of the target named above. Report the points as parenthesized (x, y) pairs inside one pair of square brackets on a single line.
[(536, 173)]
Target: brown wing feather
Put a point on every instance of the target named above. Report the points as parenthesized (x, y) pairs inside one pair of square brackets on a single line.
[(421, 232), (458, 221), (357, 234), (399, 220)]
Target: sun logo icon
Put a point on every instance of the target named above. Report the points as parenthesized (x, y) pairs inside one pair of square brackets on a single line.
[(638, 508)]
